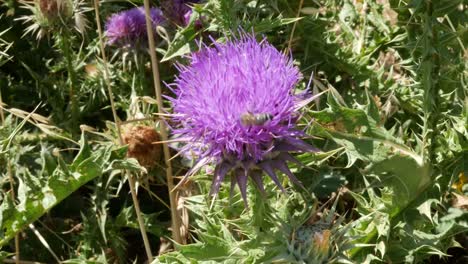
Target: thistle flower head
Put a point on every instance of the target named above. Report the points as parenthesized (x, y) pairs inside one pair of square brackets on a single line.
[(52, 9), (178, 11), (48, 16), (236, 105), (128, 28)]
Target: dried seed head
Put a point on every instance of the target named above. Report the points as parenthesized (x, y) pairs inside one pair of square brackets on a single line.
[(139, 140), (53, 16), (54, 9), (48, 8)]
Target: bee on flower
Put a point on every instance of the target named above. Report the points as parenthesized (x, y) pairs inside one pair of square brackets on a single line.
[(236, 105)]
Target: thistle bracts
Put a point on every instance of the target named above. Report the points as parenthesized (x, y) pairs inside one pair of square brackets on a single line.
[(316, 242)]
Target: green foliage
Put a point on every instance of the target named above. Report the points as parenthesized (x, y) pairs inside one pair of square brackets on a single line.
[(4, 46), (285, 234), (390, 184), (37, 194)]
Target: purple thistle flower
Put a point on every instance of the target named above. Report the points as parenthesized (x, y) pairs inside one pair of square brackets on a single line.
[(236, 105), (178, 11), (128, 28)]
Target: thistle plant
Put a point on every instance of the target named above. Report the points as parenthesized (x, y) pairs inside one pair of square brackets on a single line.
[(237, 109), (126, 31), (392, 132), (57, 18), (278, 230)]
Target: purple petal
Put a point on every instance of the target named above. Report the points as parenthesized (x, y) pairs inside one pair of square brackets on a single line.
[(305, 102), (226, 81)]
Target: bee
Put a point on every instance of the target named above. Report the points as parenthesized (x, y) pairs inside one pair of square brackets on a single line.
[(250, 119)]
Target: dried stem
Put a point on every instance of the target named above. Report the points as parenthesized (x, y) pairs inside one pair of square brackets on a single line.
[(2, 115), (294, 25), (106, 71), (12, 185), (131, 179), (141, 223), (176, 221), (44, 243)]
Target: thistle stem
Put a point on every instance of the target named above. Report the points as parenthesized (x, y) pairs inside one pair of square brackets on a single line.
[(131, 180), (141, 74), (430, 71), (12, 185), (176, 220), (13, 195), (65, 43)]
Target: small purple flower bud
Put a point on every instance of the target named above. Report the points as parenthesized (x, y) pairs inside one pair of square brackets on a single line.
[(178, 11), (128, 28)]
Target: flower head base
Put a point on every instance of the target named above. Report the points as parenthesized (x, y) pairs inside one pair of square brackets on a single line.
[(236, 104), (178, 11), (128, 28)]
